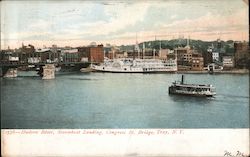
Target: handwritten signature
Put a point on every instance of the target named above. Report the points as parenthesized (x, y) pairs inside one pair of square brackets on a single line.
[(238, 153)]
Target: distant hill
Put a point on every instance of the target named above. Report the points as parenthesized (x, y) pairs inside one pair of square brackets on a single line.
[(199, 45)]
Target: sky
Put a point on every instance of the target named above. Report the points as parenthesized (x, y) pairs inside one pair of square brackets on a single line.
[(78, 23)]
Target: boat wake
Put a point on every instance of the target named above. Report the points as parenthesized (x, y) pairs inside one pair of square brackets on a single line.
[(85, 79), (235, 96)]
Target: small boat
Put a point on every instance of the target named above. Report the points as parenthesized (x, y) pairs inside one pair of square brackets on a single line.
[(85, 70), (180, 88)]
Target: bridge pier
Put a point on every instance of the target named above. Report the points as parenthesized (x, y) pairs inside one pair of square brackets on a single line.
[(3, 71), (48, 71), (11, 73)]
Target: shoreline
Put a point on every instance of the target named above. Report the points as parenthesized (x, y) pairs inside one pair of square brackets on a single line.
[(235, 71)]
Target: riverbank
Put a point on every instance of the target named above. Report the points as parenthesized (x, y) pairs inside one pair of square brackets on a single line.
[(234, 71)]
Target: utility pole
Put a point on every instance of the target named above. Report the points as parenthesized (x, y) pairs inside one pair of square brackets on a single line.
[(154, 53)]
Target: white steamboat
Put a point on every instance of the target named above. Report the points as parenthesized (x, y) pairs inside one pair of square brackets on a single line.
[(136, 65)]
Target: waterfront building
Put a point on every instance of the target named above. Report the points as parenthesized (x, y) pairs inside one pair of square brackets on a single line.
[(56, 53), (131, 54), (93, 53), (70, 55), (82, 54), (185, 55), (207, 56), (215, 56), (217, 51), (34, 59), (28, 49), (171, 55), (228, 62), (107, 50), (241, 54), (26, 52), (163, 53), (197, 62), (96, 54), (110, 55), (116, 54), (119, 55), (43, 55), (5, 55)]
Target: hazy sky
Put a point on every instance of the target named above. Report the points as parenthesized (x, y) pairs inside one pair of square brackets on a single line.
[(77, 23)]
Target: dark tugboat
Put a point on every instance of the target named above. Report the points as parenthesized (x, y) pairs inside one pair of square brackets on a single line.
[(180, 88)]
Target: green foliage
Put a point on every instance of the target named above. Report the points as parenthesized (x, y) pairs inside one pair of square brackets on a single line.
[(199, 45)]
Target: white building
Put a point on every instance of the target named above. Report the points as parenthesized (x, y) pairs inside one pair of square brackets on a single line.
[(69, 51), (34, 59), (228, 62), (215, 56)]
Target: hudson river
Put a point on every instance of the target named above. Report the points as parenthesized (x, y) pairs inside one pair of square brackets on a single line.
[(110, 100)]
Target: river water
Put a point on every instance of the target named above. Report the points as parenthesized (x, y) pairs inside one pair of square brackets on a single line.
[(110, 100)]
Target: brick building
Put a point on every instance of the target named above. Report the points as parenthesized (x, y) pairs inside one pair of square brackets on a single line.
[(241, 54), (197, 62), (94, 54), (207, 56), (184, 56)]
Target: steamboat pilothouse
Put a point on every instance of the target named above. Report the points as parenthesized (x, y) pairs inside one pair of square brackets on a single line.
[(180, 88)]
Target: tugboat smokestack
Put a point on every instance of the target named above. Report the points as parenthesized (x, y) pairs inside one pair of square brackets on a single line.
[(182, 79)]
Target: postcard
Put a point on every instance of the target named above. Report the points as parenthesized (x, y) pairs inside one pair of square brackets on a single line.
[(125, 78)]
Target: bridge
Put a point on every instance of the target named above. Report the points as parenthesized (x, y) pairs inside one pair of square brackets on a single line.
[(6, 65)]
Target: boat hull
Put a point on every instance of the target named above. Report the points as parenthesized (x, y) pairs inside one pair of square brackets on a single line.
[(195, 94), (190, 94), (132, 70), (106, 71)]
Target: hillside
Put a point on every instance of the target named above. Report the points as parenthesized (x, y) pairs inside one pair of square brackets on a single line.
[(199, 45)]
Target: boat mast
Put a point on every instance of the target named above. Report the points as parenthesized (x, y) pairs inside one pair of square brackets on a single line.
[(154, 49), (137, 47), (160, 49), (154, 53), (143, 50)]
